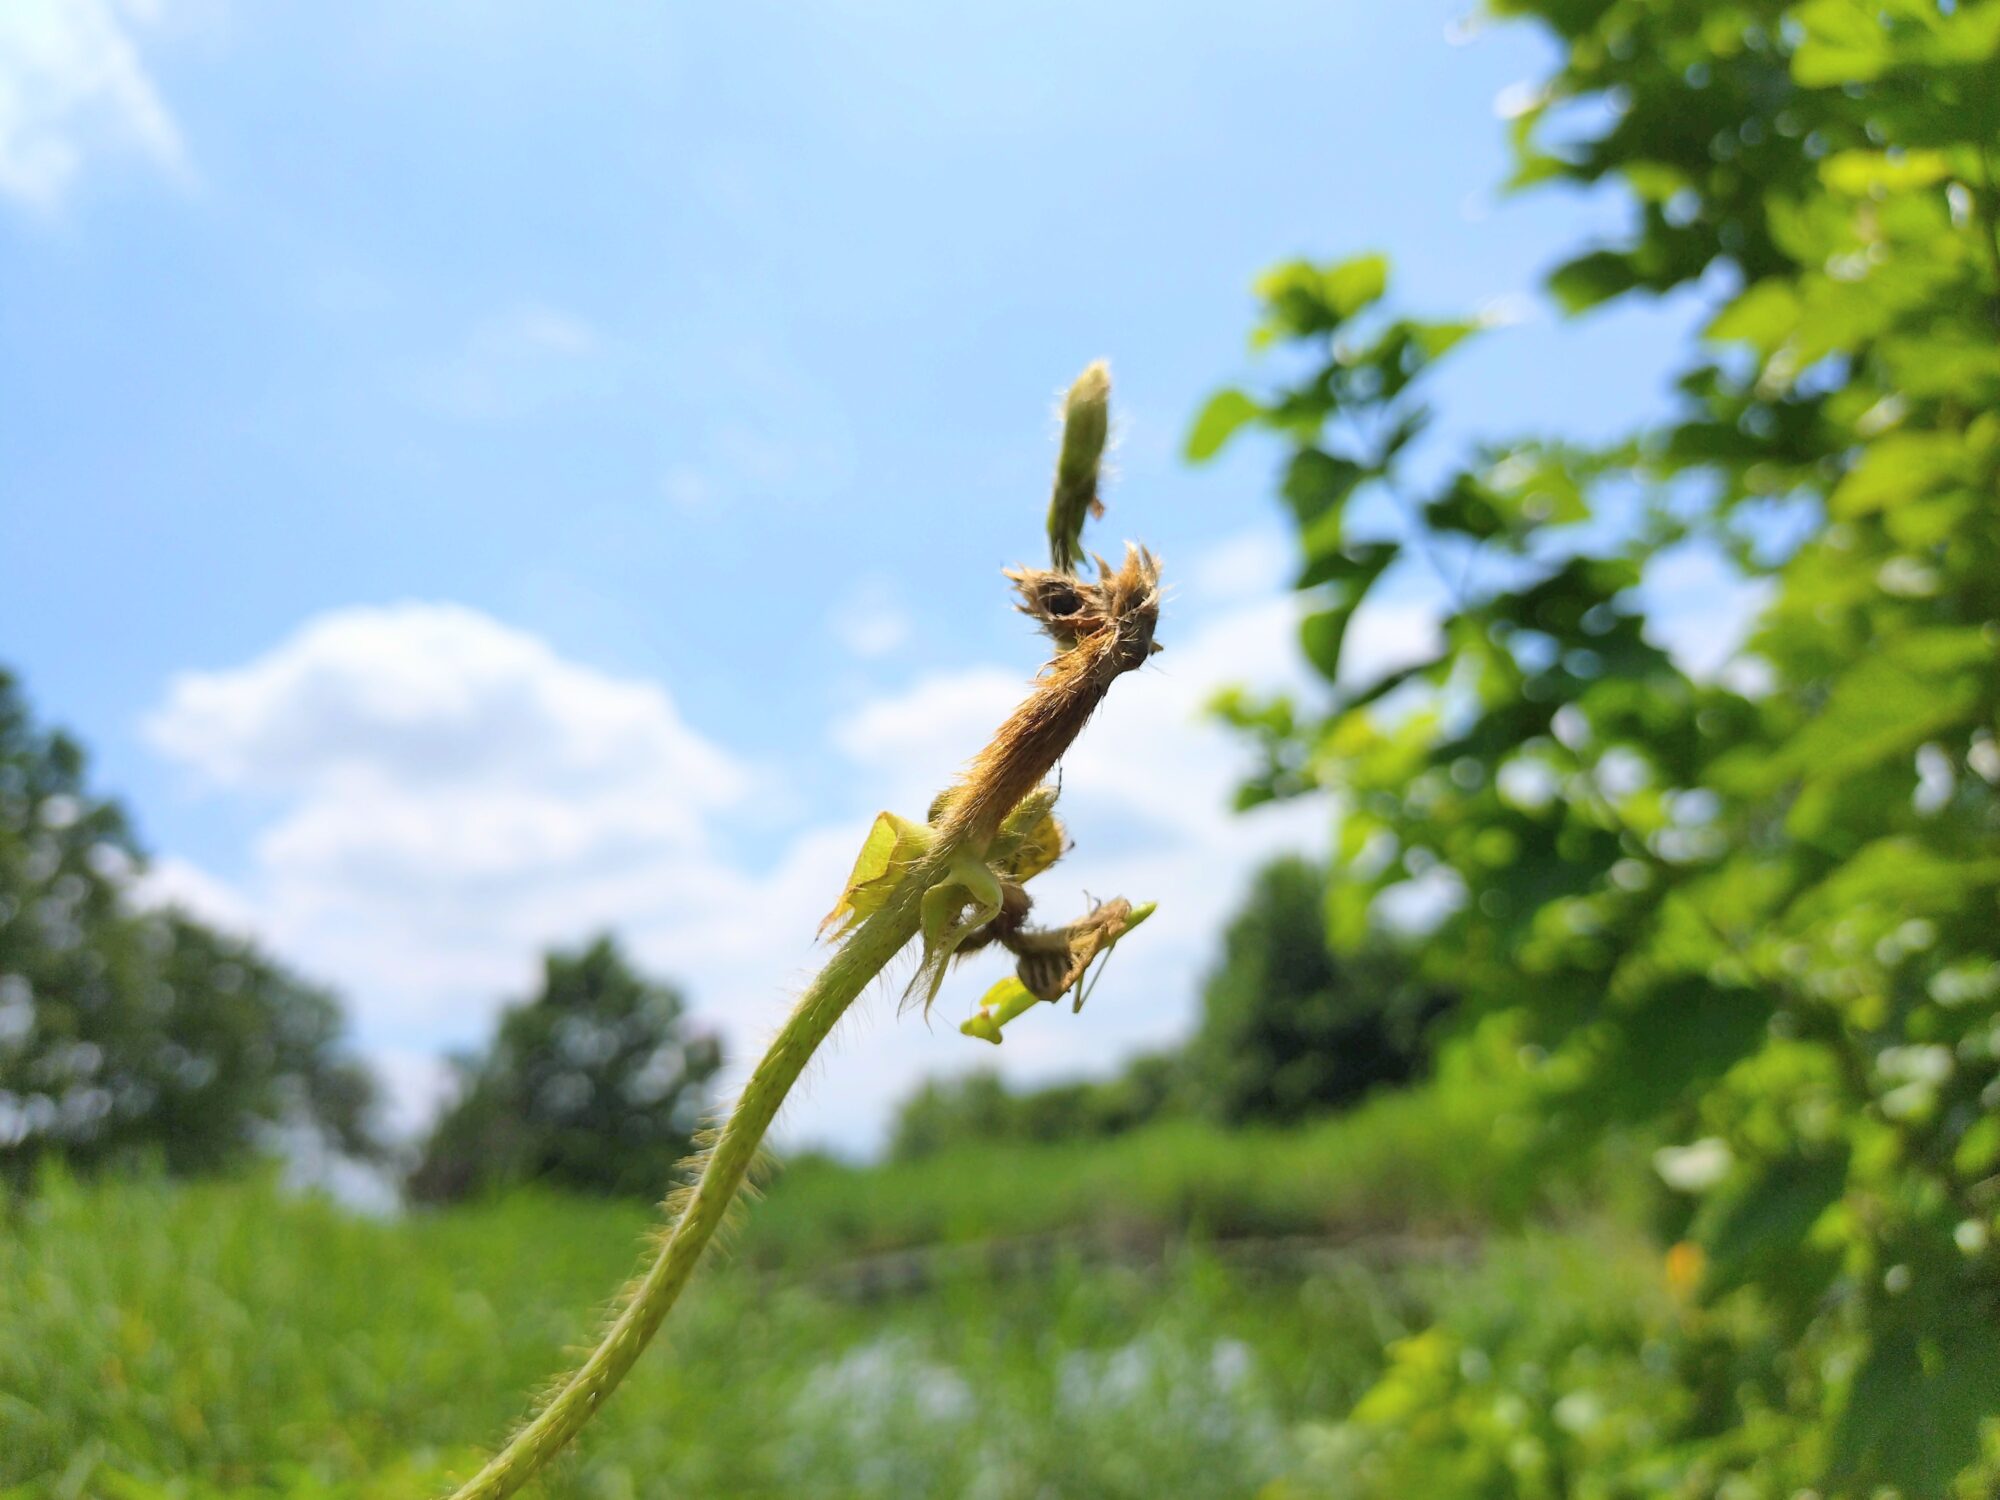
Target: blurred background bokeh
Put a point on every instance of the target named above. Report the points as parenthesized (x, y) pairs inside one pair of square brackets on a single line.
[(492, 503)]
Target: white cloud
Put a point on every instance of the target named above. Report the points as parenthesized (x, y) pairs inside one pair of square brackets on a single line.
[(688, 488), (417, 1083), (1146, 796), (72, 86), (536, 329), (447, 795), (868, 621), (171, 882), (1253, 565), (1389, 633), (1701, 608), (912, 743), (752, 430), (451, 791), (515, 361), (429, 697)]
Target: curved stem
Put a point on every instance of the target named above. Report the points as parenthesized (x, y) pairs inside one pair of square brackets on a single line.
[(846, 975), (1119, 611)]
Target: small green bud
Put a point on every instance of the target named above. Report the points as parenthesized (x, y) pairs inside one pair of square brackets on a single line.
[(982, 1026), (1001, 1004), (1086, 427)]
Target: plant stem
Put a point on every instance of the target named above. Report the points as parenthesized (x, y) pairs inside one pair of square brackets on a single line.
[(846, 975), (1023, 751), (1106, 631)]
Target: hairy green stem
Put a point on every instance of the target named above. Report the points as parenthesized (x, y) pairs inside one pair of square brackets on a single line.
[(864, 955), (1104, 630)]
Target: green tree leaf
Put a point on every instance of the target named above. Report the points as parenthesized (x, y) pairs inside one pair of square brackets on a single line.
[(1225, 413), (1352, 285), (1913, 1413)]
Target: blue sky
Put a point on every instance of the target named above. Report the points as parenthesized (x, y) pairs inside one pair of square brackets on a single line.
[(479, 474)]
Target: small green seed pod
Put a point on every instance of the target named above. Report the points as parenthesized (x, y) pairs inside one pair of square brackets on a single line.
[(1086, 426)]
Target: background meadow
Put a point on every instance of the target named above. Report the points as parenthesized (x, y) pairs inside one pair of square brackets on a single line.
[(491, 506)]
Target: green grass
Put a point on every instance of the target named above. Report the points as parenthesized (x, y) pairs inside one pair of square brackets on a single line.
[(221, 1339), (1421, 1162), (239, 1342)]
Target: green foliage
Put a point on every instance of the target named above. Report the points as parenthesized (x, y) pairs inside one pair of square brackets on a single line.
[(1760, 909), (161, 1341), (977, 1108), (945, 1112), (594, 1084), (1290, 1029), (1569, 1368), (127, 1035), (1426, 1161)]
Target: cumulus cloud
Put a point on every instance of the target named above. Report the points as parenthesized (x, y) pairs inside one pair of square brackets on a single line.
[(1147, 795), (172, 882), (515, 361), (428, 697), (1252, 565), (72, 86), (445, 795), (442, 779), (752, 427), (868, 621)]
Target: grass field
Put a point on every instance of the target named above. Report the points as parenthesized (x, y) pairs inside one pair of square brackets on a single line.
[(1424, 1162), (222, 1339)]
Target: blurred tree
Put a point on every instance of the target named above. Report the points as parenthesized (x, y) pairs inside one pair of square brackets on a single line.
[(240, 1027), (1761, 907), (946, 1112), (595, 1084), (127, 1035), (1288, 1028), (978, 1108)]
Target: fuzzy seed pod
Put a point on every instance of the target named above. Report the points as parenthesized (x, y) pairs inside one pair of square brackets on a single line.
[(1111, 633), (1086, 427)]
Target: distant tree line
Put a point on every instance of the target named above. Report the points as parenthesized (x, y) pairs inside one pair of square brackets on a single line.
[(1288, 1030), (135, 1037), (129, 1035), (132, 1036)]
